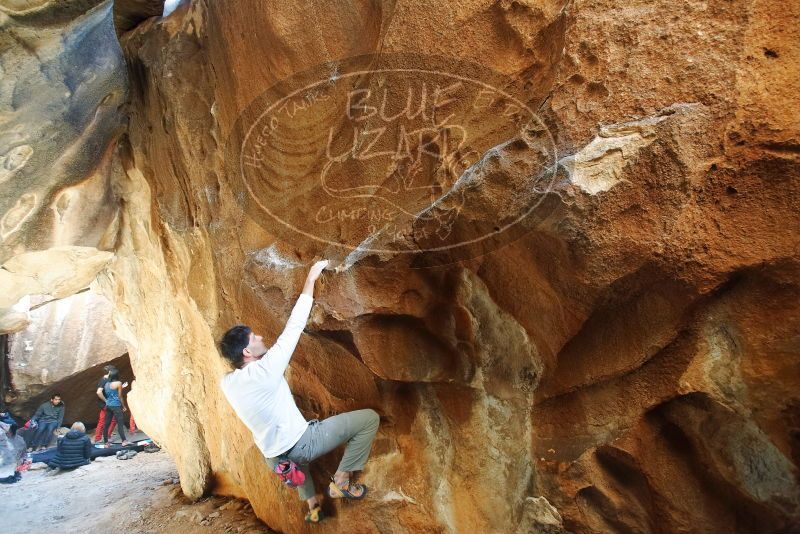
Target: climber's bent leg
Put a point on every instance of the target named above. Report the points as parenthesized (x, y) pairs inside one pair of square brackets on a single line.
[(362, 425), (357, 429)]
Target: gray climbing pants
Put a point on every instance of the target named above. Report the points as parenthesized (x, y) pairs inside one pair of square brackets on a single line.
[(357, 429)]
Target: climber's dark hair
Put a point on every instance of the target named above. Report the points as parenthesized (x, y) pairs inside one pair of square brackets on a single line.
[(233, 342), (54, 395), (113, 374)]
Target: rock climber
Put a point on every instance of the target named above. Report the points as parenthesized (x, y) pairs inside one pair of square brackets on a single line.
[(259, 394)]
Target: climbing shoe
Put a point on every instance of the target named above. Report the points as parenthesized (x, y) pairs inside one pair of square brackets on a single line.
[(315, 515), (350, 492)]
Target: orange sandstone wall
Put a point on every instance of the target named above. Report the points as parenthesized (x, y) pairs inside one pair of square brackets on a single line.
[(621, 358)]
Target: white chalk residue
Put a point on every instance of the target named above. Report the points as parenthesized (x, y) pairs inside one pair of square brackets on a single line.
[(392, 495), (472, 176), (359, 252), (271, 257), (599, 166)]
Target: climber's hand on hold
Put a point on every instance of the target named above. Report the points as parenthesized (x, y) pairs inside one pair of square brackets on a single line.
[(313, 274), (317, 269)]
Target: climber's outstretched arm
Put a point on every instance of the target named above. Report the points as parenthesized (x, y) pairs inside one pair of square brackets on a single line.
[(277, 357), (313, 274)]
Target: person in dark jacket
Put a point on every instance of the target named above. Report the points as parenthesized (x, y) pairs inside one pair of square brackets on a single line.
[(48, 418), (74, 449)]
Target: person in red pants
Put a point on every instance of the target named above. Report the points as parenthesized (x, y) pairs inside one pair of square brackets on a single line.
[(101, 419)]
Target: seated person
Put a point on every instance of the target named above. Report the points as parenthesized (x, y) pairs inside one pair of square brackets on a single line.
[(74, 449)]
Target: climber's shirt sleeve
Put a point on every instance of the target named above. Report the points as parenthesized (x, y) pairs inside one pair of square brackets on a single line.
[(277, 357)]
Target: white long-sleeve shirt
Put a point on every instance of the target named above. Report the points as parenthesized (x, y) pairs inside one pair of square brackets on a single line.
[(260, 395)]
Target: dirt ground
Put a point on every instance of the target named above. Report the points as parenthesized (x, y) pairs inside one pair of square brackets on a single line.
[(139, 495)]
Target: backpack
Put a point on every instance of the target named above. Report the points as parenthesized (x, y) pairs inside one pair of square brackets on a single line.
[(289, 473)]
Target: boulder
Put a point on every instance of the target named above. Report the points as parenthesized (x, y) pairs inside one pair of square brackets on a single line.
[(565, 237)]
